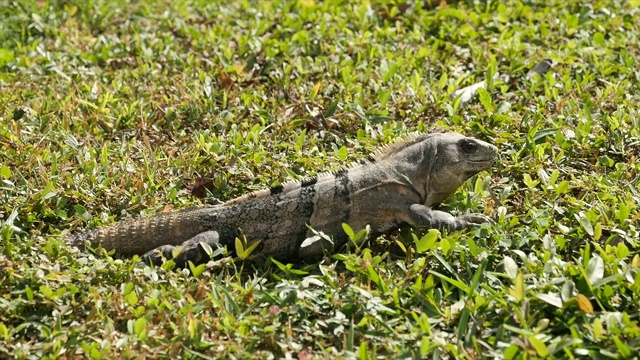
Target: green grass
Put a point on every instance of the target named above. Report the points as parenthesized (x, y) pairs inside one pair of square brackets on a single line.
[(114, 109)]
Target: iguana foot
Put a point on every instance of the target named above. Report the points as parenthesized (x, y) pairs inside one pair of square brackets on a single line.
[(473, 219), (190, 250), (426, 217)]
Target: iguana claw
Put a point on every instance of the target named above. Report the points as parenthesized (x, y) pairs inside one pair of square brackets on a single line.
[(190, 250)]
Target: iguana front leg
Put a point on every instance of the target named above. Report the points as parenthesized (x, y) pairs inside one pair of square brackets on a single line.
[(190, 250), (423, 216)]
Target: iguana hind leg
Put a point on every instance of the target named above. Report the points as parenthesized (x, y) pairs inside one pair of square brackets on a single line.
[(190, 250), (426, 217)]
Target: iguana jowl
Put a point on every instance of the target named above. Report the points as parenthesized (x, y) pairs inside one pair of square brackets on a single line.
[(398, 186)]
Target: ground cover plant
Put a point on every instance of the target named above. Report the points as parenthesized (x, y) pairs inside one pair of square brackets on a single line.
[(116, 109)]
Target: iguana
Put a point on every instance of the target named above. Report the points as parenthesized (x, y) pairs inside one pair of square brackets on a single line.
[(399, 185)]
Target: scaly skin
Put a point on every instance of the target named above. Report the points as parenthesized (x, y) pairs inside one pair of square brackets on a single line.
[(398, 187)]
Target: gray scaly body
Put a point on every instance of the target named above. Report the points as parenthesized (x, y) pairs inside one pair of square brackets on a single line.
[(399, 186)]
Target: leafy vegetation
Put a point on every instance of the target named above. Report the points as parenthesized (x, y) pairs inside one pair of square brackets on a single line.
[(113, 109)]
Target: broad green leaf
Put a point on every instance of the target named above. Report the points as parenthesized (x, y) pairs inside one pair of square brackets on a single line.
[(81, 212), (584, 222), (551, 298), (625, 350), (598, 329), (425, 344), (4, 332), (342, 153), (529, 181), (239, 248), (252, 247), (517, 291), (48, 191), (131, 298), (401, 246), (567, 290), (280, 265), (510, 267), (442, 83), (139, 326), (315, 90), (361, 235), (5, 172), (445, 246), (363, 351), (473, 248), (196, 270), (595, 269), (47, 292), (349, 231), (598, 39), (373, 275), (562, 188), (510, 352), (537, 344), (485, 100), (207, 249), (624, 212), (428, 241), (604, 160), (29, 292), (503, 107), (597, 231), (6, 56)]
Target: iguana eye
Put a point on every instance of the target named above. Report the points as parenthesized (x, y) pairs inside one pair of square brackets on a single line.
[(468, 146)]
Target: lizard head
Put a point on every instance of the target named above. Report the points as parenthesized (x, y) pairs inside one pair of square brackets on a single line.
[(457, 158)]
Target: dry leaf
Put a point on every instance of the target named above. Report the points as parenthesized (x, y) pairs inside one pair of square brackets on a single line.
[(225, 79), (584, 304)]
